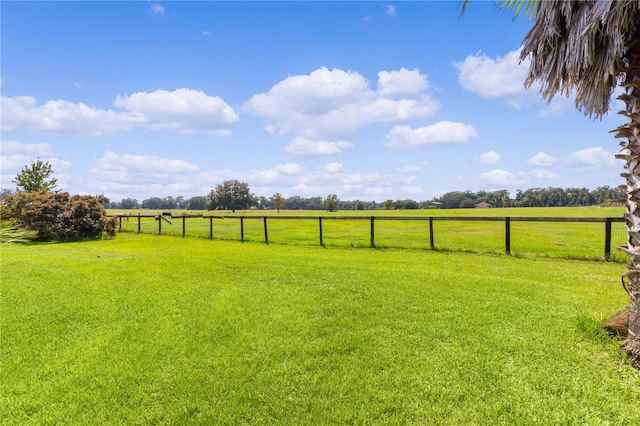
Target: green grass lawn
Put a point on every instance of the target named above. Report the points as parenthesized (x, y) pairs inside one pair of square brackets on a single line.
[(144, 329)]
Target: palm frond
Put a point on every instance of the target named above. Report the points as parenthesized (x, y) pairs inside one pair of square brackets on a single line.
[(579, 47), (516, 7), (10, 234)]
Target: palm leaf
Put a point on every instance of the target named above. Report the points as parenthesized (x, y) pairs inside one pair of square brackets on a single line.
[(10, 234)]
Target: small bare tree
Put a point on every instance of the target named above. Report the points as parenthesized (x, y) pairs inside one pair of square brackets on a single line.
[(278, 201)]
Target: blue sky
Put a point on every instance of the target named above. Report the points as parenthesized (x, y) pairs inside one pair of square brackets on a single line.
[(368, 100)]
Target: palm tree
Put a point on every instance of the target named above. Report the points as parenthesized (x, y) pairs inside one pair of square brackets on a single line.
[(588, 48)]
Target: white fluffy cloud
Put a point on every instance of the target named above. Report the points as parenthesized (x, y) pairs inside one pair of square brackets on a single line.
[(441, 133), (591, 160), (332, 167), (320, 92), (401, 82), (11, 164), (489, 157), (22, 112), (289, 169), (306, 147), (335, 103), (502, 77), (183, 110), (141, 168), (593, 157), (500, 179), (11, 147), (542, 159)]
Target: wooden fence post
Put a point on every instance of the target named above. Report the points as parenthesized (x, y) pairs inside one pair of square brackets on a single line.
[(159, 224), (373, 241), (120, 224), (211, 227), (138, 222), (266, 234), (431, 232), (507, 234), (320, 225), (242, 229), (184, 226), (607, 239)]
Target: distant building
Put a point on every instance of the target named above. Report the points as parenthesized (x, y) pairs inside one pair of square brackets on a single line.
[(483, 205)]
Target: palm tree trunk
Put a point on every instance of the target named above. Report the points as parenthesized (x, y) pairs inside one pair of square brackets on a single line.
[(631, 154), (632, 343)]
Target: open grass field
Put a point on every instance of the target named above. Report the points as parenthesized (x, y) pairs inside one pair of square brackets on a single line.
[(528, 239), (590, 211), (144, 329)]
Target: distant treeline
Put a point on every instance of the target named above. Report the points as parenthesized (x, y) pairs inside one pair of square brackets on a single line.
[(535, 197)]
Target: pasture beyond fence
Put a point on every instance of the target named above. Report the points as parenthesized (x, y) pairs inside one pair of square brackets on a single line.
[(568, 237)]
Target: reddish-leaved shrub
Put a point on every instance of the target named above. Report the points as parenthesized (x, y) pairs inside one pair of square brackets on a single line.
[(59, 216)]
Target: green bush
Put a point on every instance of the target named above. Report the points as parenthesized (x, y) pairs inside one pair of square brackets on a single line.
[(59, 216)]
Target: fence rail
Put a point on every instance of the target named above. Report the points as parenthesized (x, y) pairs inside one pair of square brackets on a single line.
[(372, 221)]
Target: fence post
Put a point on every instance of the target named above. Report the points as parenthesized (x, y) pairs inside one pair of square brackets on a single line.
[(159, 224), (266, 234), (120, 224), (373, 242), (211, 227), (184, 226), (507, 236), (431, 232), (320, 225), (242, 229), (607, 239), (138, 222)]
